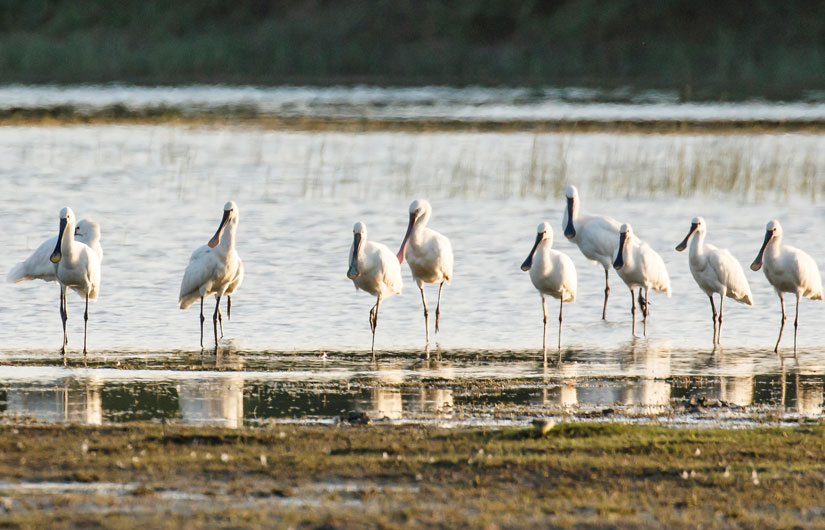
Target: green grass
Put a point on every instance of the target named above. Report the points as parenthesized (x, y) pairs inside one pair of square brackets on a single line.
[(702, 49), (578, 474)]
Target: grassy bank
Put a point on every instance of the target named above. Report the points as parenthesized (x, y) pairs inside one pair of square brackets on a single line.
[(345, 476), (703, 49)]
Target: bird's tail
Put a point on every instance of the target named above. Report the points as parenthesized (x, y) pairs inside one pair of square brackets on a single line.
[(17, 274)]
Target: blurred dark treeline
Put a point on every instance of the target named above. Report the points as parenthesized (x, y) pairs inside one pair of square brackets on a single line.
[(704, 49)]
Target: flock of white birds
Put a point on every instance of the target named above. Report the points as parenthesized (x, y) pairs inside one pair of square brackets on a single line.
[(74, 257)]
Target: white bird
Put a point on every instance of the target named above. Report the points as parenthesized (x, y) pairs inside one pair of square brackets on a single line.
[(596, 236), (214, 268), (38, 267), (77, 268), (373, 268), (430, 256), (552, 273), (640, 266), (716, 271), (789, 270)]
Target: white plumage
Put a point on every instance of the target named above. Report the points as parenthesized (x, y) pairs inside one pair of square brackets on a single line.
[(640, 266), (429, 255), (214, 268), (789, 270), (77, 267), (715, 271), (38, 267), (373, 268), (596, 236), (552, 273)]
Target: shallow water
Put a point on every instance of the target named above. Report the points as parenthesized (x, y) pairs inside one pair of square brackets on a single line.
[(158, 192)]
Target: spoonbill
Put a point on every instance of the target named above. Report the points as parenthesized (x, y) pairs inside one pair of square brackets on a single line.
[(715, 271), (430, 256), (552, 273), (214, 268), (38, 267), (789, 270), (373, 268), (77, 267), (595, 235), (640, 266)]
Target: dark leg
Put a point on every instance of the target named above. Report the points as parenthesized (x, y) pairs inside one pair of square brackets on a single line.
[(721, 311), (426, 313), (633, 312), (220, 321), (606, 294), (215, 319), (782, 302), (645, 310), (64, 316), (85, 323), (795, 324), (438, 307), (713, 308), (374, 322), (544, 333), (228, 307), (561, 306), (202, 319)]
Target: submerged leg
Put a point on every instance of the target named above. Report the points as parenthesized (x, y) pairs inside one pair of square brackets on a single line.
[(633, 312), (713, 308), (781, 327), (202, 319), (606, 294), (795, 324), (544, 332), (438, 306), (215, 318), (426, 313), (85, 323)]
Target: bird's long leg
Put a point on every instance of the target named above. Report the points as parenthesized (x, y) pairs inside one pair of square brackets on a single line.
[(85, 323), (426, 313), (220, 321), (782, 302), (544, 332), (228, 307), (795, 324), (646, 310), (64, 316), (721, 312), (606, 294), (633, 312), (438, 306), (561, 306), (215, 319), (202, 319), (713, 308), (374, 322)]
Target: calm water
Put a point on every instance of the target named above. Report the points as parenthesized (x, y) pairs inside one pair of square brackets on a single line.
[(158, 192)]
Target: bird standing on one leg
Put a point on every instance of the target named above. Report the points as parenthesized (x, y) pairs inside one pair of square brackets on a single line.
[(789, 270), (552, 273), (214, 268), (373, 268), (429, 255)]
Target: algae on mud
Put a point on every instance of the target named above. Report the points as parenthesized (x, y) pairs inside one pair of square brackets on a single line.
[(390, 475)]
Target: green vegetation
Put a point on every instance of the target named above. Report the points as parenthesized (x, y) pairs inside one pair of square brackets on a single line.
[(305, 476), (702, 48)]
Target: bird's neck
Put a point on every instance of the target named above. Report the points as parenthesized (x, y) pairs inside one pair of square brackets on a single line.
[(227, 243), (67, 247), (420, 230), (697, 247)]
